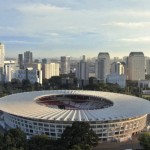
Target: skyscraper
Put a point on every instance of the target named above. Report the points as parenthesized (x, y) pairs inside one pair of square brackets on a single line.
[(148, 66), (20, 61), (102, 66), (2, 57), (82, 71), (65, 64), (2, 54), (136, 66), (117, 68), (49, 70), (28, 59)]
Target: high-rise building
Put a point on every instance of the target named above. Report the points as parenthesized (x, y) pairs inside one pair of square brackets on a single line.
[(28, 59), (9, 70), (2, 57), (20, 61), (2, 54), (49, 70), (148, 66), (65, 64), (102, 66), (82, 71), (136, 66), (117, 68)]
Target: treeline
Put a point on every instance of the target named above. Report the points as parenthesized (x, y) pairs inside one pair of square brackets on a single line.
[(77, 137), (55, 83)]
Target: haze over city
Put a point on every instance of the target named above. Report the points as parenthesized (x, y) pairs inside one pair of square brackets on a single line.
[(75, 27)]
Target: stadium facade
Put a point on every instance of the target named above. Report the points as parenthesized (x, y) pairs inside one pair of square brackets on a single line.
[(113, 117)]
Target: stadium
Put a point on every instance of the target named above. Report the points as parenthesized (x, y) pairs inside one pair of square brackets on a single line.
[(113, 117)]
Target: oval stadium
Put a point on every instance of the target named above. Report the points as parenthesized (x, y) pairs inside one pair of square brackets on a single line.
[(113, 117)]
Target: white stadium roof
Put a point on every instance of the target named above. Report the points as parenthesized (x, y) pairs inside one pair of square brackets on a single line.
[(124, 106)]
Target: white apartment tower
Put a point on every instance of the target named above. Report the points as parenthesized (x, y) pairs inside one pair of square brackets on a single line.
[(117, 68), (148, 66), (102, 66), (2, 57), (28, 59), (82, 71), (2, 54), (9, 70), (65, 64), (136, 66), (49, 70)]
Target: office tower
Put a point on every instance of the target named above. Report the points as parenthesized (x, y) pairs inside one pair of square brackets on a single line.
[(65, 64), (28, 59), (117, 68), (102, 66), (49, 70), (20, 61), (2, 54), (82, 71), (2, 57), (148, 66), (136, 66)]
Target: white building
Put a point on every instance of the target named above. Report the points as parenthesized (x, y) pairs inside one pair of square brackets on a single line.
[(117, 79), (148, 66), (9, 70), (2, 54), (29, 74), (117, 68), (49, 70), (65, 64), (82, 70), (136, 66), (2, 57), (102, 66)]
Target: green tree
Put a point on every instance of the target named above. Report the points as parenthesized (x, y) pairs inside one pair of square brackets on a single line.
[(79, 134), (14, 139), (144, 139), (26, 85), (1, 141), (55, 82), (40, 142)]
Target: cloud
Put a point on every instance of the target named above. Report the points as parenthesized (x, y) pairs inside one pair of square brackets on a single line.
[(131, 24), (137, 39), (40, 8), (19, 42)]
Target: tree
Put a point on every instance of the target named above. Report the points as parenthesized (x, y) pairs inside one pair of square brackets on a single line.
[(40, 142), (26, 85), (1, 141), (14, 139), (55, 82), (80, 134), (144, 139)]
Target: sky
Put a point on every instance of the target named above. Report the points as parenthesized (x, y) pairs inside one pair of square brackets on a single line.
[(52, 28)]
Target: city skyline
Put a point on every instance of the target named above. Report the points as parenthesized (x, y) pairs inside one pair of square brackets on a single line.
[(48, 28)]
